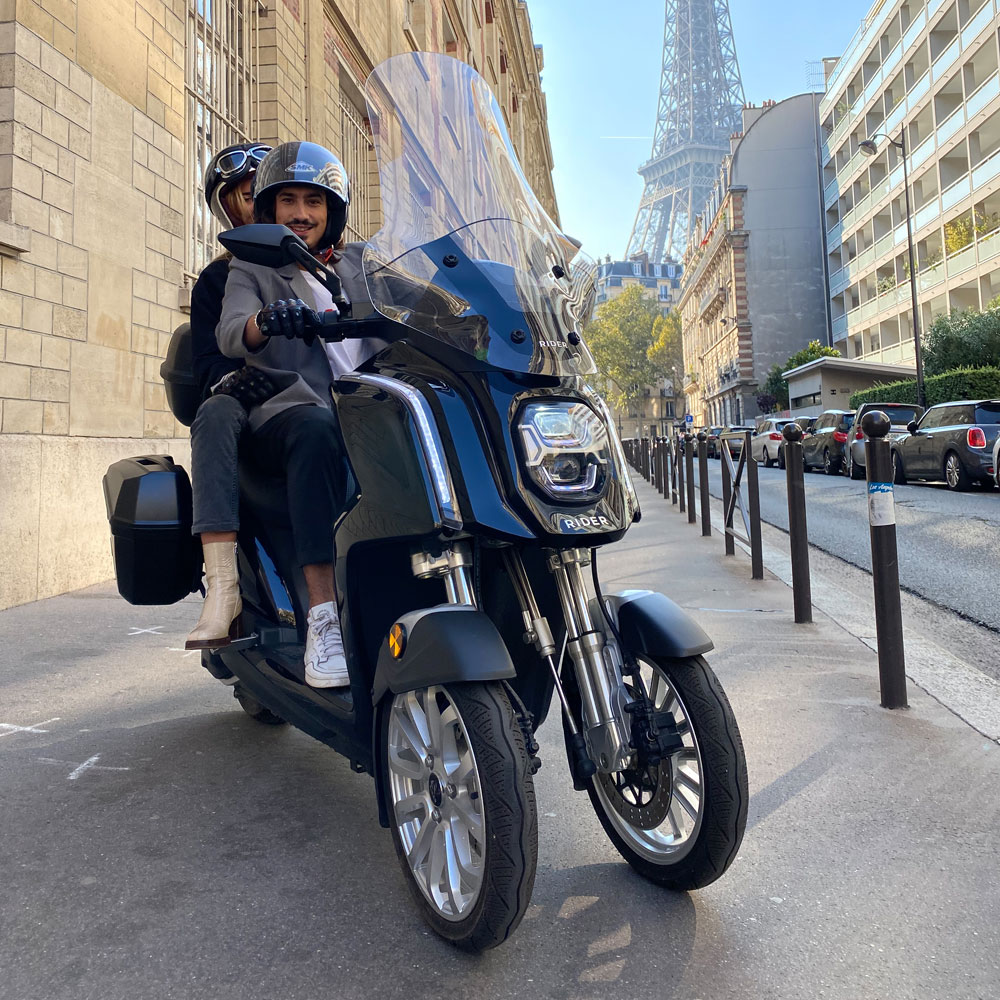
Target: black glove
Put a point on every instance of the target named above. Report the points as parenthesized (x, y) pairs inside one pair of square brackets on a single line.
[(248, 386), (290, 318)]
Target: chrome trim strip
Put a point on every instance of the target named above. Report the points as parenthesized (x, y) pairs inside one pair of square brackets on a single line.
[(430, 441)]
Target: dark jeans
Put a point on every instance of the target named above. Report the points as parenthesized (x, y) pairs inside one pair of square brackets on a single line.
[(303, 444), (215, 438)]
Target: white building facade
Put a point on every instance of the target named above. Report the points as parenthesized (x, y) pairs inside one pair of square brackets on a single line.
[(926, 70)]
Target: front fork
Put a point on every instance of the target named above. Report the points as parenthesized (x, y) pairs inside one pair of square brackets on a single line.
[(603, 695)]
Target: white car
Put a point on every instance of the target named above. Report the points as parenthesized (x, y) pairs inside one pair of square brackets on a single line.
[(765, 445)]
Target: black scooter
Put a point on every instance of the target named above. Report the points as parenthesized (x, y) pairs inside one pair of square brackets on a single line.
[(485, 475)]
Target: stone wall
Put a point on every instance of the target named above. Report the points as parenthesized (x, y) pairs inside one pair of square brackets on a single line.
[(93, 222)]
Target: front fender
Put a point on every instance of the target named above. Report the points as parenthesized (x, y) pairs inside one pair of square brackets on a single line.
[(443, 644), (653, 624)]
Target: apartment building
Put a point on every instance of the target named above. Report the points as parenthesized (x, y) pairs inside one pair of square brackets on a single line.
[(109, 112), (754, 285), (659, 281), (923, 71)]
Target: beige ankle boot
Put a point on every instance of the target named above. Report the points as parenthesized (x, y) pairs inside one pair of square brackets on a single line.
[(217, 625)]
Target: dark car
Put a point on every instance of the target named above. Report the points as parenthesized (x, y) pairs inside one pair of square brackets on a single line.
[(713, 441), (733, 436), (951, 441), (899, 414), (826, 446)]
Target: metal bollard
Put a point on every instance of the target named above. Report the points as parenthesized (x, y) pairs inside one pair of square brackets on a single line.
[(664, 458), (798, 535), (727, 493), (753, 489), (885, 563), (689, 475), (680, 474), (706, 510), (673, 470)]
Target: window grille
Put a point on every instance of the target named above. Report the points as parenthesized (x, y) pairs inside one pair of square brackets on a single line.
[(221, 105), (357, 152)]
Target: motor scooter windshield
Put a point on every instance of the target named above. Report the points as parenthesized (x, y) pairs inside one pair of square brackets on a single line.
[(466, 253)]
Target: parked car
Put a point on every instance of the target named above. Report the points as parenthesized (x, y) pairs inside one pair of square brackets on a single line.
[(899, 414), (951, 441), (765, 445), (996, 460), (733, 436), (826, 446), (713, 441)]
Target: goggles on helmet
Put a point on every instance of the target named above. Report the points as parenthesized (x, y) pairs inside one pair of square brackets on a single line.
[(232, 163)]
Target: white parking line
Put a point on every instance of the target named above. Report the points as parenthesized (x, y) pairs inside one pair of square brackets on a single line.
[(90, 764), (10, 729)]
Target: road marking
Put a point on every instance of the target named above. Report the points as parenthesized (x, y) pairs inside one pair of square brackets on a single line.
[(90, 764), (11, 729), (186, 652), (155, 630)]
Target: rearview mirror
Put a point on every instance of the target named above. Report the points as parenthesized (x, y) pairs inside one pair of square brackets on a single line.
[(912, 427), (269, 246)]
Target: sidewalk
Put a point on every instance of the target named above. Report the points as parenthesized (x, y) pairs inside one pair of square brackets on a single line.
[(874, 832)]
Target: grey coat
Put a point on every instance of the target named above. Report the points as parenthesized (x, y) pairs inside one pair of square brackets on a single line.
[(301, 371)]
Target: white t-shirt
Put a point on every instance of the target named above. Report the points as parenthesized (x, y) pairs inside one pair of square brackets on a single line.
[(346, 355)]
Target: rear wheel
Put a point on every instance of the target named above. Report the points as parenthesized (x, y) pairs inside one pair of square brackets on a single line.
[(255, 709), (681, 822), (954, 473), (781, 456), (768, 461), (462, 810), (828, 465)]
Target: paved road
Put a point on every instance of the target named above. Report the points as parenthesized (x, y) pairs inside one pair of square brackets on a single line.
[(160, 845), (949, 543)]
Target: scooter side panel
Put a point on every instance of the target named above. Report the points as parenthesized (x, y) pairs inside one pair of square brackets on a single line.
[(442, 645)]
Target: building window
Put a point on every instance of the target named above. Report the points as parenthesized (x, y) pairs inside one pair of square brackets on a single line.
[(357, 153), (637, 269), (221, 98)]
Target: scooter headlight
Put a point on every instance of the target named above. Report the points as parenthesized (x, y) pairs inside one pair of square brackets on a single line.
[(566, 449)]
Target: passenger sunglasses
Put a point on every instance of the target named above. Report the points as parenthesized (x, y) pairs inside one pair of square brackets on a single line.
[(232, 163)]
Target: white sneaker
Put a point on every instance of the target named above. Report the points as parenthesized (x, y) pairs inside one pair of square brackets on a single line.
[(326, 665)]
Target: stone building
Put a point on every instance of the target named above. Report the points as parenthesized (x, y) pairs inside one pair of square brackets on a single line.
[(109, 111), (754, 285)]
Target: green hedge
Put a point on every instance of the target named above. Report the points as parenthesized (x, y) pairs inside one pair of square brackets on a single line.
[(962, 383)]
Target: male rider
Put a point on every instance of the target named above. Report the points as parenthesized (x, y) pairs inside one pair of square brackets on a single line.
[(270, 317)]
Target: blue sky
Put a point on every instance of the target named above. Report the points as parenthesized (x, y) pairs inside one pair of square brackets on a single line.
[(602, 78)]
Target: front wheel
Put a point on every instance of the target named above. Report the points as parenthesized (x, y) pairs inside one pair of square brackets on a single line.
[(680, 823), (461, 805)]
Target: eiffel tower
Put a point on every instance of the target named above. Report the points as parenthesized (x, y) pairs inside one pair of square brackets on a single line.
[(701, 98)]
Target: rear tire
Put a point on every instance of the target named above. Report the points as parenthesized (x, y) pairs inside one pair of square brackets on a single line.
[(255, 709), (464, 825), (781, 456), (768, 461), (854, 471), (687, 824), (955, 476)]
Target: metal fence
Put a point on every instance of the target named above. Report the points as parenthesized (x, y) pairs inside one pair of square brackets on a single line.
[(357, 151)]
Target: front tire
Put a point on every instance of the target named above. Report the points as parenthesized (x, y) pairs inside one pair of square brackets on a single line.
[(461, 806), (255, 709), (681, 827)]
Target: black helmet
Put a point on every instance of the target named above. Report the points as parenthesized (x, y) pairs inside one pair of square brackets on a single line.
[(304, 163), (227, 169)]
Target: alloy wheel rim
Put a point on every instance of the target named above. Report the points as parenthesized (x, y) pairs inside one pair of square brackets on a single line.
[(676, 833), (951, 471), (437, 800)]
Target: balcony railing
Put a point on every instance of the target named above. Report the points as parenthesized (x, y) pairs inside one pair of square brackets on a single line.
[(942, 64), (982, 96), (971, 31), (951, 125), (954, 193), (986, 170)]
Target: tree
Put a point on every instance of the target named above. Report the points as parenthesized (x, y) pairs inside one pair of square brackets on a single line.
[(774, 385), (667, 349), (620, 337), (966, 339)]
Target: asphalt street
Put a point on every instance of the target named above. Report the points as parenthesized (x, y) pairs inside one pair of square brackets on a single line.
[(159, 844), (948, 543)]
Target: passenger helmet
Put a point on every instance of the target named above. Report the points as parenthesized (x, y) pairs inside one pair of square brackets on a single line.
[(228, 168), (304, 163)]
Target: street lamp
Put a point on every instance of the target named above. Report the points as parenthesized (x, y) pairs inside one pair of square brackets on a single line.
[(869, 147)]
